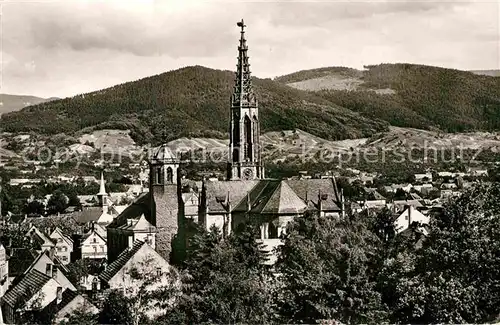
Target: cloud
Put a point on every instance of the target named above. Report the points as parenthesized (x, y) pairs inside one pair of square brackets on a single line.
[(67, 47)]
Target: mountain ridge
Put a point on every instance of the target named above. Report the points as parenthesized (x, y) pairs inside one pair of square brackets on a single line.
[(194, 102), (11, 103)]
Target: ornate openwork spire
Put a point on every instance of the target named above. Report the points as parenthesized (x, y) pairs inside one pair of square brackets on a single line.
[(243, 93)]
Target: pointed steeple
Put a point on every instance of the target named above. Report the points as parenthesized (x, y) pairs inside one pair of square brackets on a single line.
[(243, 91), (102, 193), (102, 189)]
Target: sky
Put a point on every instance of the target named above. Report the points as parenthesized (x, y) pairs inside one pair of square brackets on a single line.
[(61, 48)]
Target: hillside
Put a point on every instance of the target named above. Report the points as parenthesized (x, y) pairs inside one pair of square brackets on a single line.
[(192, 101), (492, 73), (409, 95), (12, 103)]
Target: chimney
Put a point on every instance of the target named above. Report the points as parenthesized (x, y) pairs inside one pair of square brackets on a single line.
[(48, 269), (52, 252), (409, 215), (130, 241), (59, 295), (54, 272)]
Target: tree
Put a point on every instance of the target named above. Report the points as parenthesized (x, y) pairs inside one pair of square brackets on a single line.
[(57, 203), (73, 200), (34, 208), (328, 268), (150, 293), (225, 281), (115, 309), (455, 275), (80, 317)]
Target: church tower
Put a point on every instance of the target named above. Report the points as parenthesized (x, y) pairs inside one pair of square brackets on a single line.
[(244, 130)]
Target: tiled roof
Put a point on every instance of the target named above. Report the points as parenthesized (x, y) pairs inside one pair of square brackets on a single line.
[(88, 214), (271, 196), (309, 189), (164, 154), (120, 262), (237, 191), (29, 285), (374, 195), (20, 260), (284, 201), (140, 206)]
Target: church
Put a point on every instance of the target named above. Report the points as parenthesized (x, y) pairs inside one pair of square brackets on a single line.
[(158, 216)]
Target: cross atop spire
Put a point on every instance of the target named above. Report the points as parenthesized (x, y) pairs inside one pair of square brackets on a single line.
[(243, 92), (242, 25)]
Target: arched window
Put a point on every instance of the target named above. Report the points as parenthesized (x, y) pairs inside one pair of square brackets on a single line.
[(248, 138), (170, 175)]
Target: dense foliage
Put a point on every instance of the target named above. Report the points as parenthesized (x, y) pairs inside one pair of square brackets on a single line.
[(425, 97), (190, 101)]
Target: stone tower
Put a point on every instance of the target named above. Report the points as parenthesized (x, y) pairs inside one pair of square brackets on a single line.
[(165, 195), (244, 130)]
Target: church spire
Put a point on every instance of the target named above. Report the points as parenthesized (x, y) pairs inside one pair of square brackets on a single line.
[(243, 92), (244, 129)]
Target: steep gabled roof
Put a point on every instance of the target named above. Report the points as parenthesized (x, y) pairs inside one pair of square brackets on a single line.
[(140, 206), (62, 235), (309, 190), (23, 291), (88, 214), (218, 190), (120, 262), (284, 201)]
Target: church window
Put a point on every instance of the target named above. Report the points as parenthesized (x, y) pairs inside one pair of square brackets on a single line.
[(248, 138), (170, 175)]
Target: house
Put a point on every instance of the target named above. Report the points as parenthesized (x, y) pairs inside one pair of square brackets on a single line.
[(23, 181), (64, 245), (4, 271), (94, 245), (402, 204), (44, 241), (425, 178), (409, 216), (32, 293), (445, 174), (67, 302), (478, 172), (394, 187), (191, 203), (48, 263), (140, 267)]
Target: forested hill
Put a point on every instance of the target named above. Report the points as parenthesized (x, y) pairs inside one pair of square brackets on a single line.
[(192, 101), (409, 95)]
